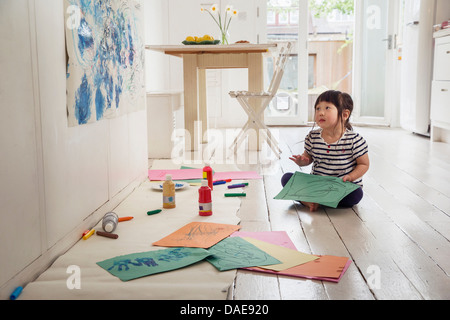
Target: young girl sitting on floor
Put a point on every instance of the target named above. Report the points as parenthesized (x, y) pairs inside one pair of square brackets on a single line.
[(334, 149)]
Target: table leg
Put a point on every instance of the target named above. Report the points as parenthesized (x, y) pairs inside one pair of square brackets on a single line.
[(255, 84), (190, 100), (202, 108)]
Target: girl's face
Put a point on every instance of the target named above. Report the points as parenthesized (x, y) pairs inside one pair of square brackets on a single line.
[(326, 115)]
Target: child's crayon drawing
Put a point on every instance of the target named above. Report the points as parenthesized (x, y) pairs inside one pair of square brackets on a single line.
[(235, 252), (136, 265), (197, 235), (325, 190)]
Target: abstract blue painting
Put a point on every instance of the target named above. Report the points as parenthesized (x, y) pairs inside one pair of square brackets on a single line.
[(105, 70)]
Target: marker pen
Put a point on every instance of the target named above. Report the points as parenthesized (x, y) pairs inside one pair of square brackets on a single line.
[(107, 235), (124, 219), (16, 293), (235, 195), (153, 212), (240, 185)]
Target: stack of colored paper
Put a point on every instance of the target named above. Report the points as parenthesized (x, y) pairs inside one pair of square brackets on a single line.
[(325, 268), (189, 174), (227, 248)]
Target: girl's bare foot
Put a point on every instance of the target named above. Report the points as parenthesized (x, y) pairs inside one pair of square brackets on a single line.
[(312, 206)]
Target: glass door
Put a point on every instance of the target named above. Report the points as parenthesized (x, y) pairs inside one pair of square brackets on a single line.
[(330, 48), (322, 59), (287, 21), (375, 84)]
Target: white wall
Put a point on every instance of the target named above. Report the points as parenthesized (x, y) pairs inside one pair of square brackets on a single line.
[(56, 181), (442, 11), (20, 177), (157, 66)]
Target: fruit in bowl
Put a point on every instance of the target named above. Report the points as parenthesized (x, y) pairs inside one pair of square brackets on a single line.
[(206, 39)]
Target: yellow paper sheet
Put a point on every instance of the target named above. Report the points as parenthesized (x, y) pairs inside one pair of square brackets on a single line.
[(290, 258)]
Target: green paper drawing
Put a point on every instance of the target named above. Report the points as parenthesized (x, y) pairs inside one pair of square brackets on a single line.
[(136, 265), (235, 252), (325, 190)]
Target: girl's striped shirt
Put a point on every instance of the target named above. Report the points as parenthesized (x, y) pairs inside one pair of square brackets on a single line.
[(336, 159)]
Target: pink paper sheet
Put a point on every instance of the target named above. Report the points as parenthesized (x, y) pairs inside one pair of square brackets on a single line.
[(186, 174), (177, 174), (237, 175), (281, 238)]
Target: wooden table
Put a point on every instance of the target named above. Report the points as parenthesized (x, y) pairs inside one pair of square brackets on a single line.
[(198, 58)]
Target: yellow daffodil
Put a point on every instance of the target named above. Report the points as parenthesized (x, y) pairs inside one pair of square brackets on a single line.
[(225, 24)]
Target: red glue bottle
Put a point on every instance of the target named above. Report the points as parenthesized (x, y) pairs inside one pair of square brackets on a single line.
[(204, 200), (208, 175)]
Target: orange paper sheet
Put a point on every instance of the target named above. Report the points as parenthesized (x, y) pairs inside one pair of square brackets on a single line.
[(324, 267), (198, 235)]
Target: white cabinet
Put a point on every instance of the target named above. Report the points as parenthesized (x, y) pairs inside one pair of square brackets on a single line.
[(440, 110), (442, 59), (164, 110), (440, 94)]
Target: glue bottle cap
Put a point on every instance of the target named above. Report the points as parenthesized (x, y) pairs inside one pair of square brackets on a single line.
[(204, 183), (168, 177), (109, 227)]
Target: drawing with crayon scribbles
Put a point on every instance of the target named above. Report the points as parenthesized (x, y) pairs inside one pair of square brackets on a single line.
[(197, 235), (136, 265)]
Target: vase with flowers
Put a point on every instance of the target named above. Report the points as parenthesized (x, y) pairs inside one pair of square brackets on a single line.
[(222, 22)]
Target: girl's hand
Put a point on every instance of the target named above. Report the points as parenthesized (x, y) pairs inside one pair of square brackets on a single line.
[(347, 178), (362, 165), (300, 160)]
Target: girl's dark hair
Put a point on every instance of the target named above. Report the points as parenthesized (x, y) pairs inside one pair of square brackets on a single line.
[(342, 101)]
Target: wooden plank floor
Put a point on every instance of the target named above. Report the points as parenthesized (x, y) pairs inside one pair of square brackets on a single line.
[(399, 234)]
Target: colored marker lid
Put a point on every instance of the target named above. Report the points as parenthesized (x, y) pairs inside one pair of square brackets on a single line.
[(87, 235), (153, 212), (16, 293)]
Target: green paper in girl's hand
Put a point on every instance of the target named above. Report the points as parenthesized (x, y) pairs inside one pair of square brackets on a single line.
[(324, 190)]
